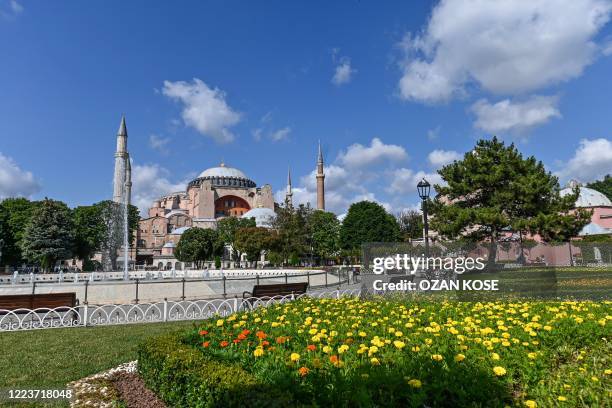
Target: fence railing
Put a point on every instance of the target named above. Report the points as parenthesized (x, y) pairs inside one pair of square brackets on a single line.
[(164, 311)]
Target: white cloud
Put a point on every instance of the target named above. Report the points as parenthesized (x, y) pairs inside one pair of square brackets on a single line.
[(343, 73), (159, 143), (150, 181), (515, 117), (16, 7), (505, 46), (204, 109), (15, 182), (360, 156), (592, 160), (433, 134), (280, 134), (439, 158), (404, 181), (257, 134)]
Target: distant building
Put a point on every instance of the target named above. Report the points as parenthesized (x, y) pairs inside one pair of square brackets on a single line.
[(598, 203)]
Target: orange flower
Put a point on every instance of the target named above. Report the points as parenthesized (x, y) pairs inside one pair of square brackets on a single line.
[(236, 341), (224, 343), (246, 332), (265, 343), (261, 335), (203, 332), (206, 344), (241, 336), (281, 340), (311, 347), (303, 371), (333, 359)]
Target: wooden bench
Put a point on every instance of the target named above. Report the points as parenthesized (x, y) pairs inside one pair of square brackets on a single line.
[(278, 289), (45, 301)]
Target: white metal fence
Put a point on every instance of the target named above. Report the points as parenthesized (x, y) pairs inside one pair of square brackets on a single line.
[(165, 311)]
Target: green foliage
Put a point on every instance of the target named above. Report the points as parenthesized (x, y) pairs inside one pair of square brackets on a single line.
[(89, 230), (603, 186), (253, 240), (494, 188), (367, 222), (324, 229), (228, 226), (49, 234), (293, 231), (410, 224), (183, 377), (198, 245), (217, 262), (16, 213)]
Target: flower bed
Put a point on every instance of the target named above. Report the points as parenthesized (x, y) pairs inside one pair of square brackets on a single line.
[(351, 352)]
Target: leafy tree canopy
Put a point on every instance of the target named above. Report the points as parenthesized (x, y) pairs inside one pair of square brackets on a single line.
[(49, 235), (324, 228), (228, 226), (17, 213), (494, 188), (253, 240), (198, 245), (293, 233), (367, 221), (411, 224)]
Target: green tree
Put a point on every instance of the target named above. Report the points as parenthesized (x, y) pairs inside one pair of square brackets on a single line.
[(198, 245), (410, 224), (227, 227), (252, 241), (367, 221), (49, 235), (603, 186), (494, 188), (293, 235), (18, 212), (324, 230), (89, 231)]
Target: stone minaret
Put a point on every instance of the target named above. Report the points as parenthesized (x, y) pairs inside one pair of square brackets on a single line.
[(320, 181), (122, 180), (289, 194)]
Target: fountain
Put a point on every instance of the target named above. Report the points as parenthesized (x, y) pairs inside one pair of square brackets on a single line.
[(15, 276)]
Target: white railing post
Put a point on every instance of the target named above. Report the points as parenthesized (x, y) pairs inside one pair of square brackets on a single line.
[(165, 309), (235, 304), (85, 315), (337, 294)]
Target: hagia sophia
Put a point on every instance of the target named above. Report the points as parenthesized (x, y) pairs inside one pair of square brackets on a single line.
[(224, 191), (215, 193)]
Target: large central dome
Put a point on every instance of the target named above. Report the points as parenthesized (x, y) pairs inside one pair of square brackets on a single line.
[(223, 171)]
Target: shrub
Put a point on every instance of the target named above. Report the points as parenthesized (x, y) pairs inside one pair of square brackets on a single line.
[(183, 377)]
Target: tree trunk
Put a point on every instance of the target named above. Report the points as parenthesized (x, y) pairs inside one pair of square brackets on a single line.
[(492, 255)]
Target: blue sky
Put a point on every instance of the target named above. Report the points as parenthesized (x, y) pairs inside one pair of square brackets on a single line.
[(392, 92)]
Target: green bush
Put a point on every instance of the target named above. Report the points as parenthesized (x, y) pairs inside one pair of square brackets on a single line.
[(183, 377)]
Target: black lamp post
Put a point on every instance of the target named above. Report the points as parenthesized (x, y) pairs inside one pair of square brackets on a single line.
[(423, 188)]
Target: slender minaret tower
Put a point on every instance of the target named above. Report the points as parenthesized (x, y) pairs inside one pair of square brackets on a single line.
[(122, 159), (289, 194), (128, 179), (320, 181)]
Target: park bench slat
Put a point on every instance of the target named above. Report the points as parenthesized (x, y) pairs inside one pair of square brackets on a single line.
[(278, 289), (38, 301)]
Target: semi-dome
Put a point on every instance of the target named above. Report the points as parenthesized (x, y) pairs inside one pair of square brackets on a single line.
[(588, 197), (264, 217)]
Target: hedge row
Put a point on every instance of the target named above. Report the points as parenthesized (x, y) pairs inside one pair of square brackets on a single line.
[(183, 377)]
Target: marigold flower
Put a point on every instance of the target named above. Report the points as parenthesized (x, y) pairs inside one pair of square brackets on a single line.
[(241, 336), (333, 359), (399, 344), (342, 348), (437, 357), (414, 383), (224, 343), (303, 371), (206, 344), (499, 371), (281, 340), (220, 322), (258, 352), (459, 357), (236, 341), (495, 356), (327, 349), (261, 335), (294, 357), (530, 404), (374, 361), (265, 343), (532, 355), (561, 398), (311, 347), (203, 332)]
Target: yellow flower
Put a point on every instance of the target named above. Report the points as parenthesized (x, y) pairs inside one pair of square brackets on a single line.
[(437, 357), (494, 356), (499, 371), (416, 349), (220, 322), (594, 379), (399, 344), (362, 334), (414, 383), (459, 357), (608, 372), (258, 352), (561, 398), (399, 334), (342, 348), (294, 357), (532, 356), (530, 404), (327, 349), (374, 361), (372, 350)]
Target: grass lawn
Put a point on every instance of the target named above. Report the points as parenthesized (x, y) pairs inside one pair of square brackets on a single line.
[(52, 358)]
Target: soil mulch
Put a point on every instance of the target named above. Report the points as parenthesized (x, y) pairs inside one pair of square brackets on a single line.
[(133, 391)]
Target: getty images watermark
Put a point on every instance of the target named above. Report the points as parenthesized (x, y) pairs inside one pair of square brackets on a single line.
[(411, 265)]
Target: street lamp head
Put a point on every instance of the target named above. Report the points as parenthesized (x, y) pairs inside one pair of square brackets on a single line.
[(423, 188)]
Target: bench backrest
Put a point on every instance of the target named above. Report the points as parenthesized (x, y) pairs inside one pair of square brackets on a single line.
[(280, 289), (42, 300)]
